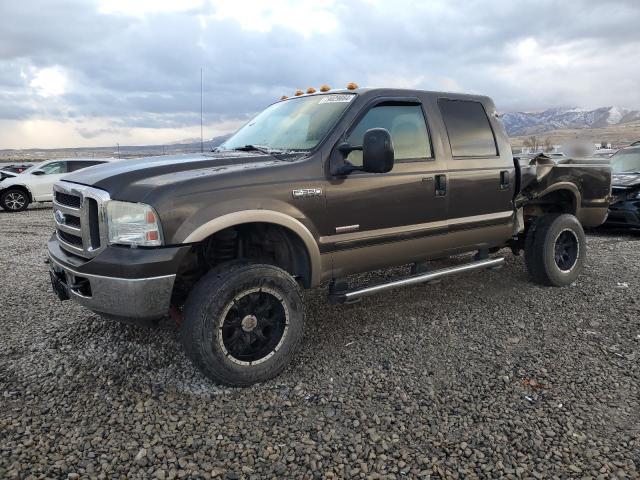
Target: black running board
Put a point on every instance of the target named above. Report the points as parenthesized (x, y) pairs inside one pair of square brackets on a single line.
[(349, 296)]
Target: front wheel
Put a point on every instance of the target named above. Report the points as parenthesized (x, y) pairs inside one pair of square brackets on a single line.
[(555, 250), (14, 200), (243, 323)]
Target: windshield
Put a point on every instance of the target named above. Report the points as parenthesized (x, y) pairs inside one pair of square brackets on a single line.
[(295, 124), (626, 160)]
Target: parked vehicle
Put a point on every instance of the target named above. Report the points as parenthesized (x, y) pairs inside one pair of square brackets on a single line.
[(13, 170), (35, 184), (604, 153), (314, 188), (625, 207)]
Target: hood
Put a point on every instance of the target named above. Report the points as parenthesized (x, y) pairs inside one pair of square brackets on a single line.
[(133, 179), (625, 180), (6, 174)]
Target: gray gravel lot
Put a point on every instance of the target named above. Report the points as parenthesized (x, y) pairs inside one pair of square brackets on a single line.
[(483, 375)]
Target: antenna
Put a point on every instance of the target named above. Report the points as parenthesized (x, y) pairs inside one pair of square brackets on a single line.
[(118, 149), (201, 134)]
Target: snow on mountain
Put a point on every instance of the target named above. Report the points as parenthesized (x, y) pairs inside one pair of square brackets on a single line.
[(528, 123)]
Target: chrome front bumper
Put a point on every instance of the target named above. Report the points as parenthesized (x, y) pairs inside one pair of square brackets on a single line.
[(135, 298)]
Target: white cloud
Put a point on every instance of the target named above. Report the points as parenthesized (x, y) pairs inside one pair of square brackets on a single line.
[(49, 82), (139, 8), (306, 18), (529, 52)]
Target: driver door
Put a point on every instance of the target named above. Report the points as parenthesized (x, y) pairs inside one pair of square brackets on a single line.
[(41, 185), (381, 219)]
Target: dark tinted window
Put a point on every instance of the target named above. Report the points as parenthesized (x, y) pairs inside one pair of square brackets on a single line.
[(406, 125), (73, 166), (468, 128)]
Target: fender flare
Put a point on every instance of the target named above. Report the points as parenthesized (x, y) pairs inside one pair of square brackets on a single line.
[(264, 216), (571, 187)]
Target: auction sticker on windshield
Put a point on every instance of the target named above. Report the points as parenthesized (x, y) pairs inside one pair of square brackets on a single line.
[(336, 99)]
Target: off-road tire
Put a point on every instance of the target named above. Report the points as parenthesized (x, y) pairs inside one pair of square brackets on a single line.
[(209, 306), (10, 198), (548, 265)]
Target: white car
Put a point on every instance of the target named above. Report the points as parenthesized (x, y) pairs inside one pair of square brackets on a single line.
[(36, 183)]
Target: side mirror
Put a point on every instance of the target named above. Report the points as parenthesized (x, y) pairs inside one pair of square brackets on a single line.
[(377, 151), (37, 172)]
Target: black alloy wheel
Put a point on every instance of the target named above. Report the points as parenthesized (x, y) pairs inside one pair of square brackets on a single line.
[(254, 326), (567, 250)]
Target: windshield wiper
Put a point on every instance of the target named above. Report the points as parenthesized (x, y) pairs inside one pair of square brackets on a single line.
[(258, 148), (275, 153)]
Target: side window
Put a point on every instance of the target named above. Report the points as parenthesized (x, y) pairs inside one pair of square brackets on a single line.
[(406, 125), (468, 127), (73, 166), (54, 168)]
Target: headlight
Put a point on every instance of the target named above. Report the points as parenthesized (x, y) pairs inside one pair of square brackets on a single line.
[(134, 224)]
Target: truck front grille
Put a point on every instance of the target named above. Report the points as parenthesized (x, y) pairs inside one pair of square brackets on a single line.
[(69, 238), (72, 221), (78, 212), (67, 200)]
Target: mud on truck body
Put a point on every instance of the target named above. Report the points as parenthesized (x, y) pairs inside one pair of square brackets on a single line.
[(315, 188)]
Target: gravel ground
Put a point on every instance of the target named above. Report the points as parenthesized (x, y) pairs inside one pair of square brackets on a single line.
[(483, 375)]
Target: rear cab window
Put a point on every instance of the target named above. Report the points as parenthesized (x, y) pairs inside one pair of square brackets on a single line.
[(470, 133), (406, 124)]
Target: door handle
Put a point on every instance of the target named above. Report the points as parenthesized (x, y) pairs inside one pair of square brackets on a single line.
[(441, 185), (504, 179)]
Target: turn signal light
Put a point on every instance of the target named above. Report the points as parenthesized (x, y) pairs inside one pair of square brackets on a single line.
[(352, 86)]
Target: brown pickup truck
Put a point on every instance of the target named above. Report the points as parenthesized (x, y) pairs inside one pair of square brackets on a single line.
[(313, 189)]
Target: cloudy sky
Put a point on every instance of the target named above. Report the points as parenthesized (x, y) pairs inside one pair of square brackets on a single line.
[(93, 73)]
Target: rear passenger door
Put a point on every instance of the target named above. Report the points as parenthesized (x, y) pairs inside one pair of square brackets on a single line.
[(481, 179)]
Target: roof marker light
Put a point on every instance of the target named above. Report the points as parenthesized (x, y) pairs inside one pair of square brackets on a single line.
[(352, 86), (283, 97), (311, 90), (299, 92), (325, 88)]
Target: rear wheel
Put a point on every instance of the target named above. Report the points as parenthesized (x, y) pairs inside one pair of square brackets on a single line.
[(243, 323), (555, 250), (14, 200)]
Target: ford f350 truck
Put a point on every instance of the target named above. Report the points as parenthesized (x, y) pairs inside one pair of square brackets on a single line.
[(315, 188)]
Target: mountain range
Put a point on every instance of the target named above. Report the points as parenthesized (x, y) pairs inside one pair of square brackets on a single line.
[(530, 123)]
